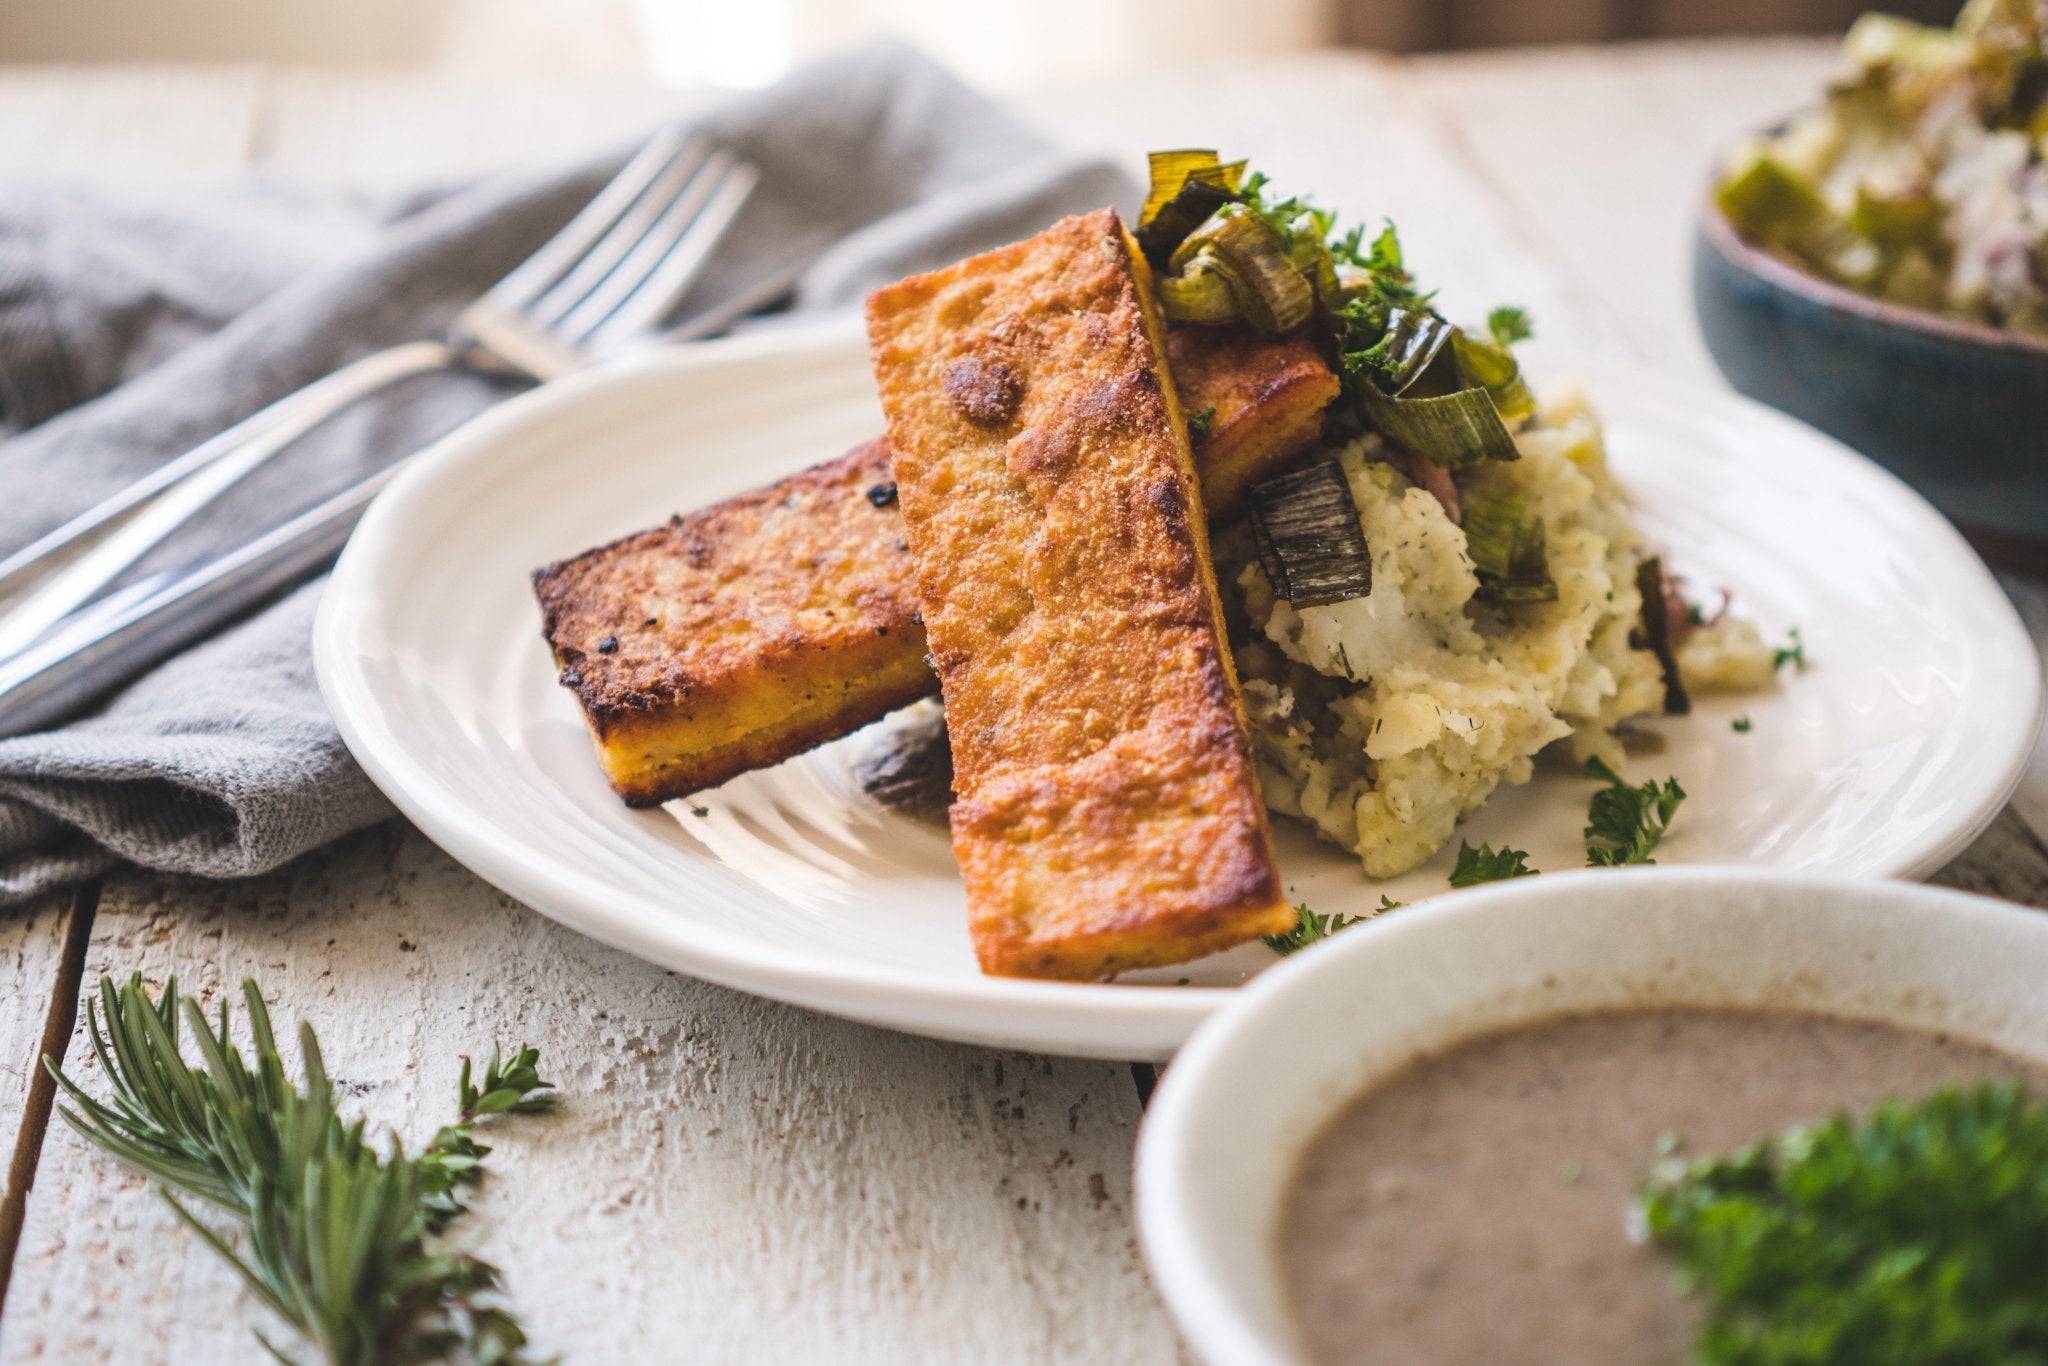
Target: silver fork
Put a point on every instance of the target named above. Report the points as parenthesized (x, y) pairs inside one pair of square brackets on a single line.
[(88, 651), (608, 277)]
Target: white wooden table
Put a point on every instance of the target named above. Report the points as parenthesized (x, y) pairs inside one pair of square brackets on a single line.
[(728, 1179)]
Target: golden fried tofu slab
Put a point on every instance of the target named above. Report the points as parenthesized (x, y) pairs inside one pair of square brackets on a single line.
[(1106, 813), (733, 637), (1259, 402), (730, 649)]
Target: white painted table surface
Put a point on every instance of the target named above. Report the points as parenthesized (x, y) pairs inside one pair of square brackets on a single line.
[(728, 1179)]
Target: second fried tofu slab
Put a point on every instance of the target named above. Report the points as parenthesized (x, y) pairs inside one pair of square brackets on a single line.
[(1107, 814), (735, 636)]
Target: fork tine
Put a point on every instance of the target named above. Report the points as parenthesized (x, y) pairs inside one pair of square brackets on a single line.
[(627, 272), (619, 240), (645, 304), (538, 272)]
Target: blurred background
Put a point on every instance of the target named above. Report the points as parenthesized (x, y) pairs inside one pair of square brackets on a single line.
[(740, 43)]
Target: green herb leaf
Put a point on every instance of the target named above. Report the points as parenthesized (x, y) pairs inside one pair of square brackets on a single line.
[(1485, 865), (1740, 725), (1792, 652), (338, 1239), (1310, 927), (1915, 1235), (1625, 824), (1509, 325), (1198, 422), (1413, 338)]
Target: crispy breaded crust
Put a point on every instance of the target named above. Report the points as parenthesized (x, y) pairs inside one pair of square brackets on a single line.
[(1107, 814), (733, 637), (673, 711)]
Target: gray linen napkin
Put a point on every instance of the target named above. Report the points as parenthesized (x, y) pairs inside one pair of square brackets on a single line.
[(132, 328)]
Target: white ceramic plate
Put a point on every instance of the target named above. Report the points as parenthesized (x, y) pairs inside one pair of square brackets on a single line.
[(1226, 1129), (1885, 758)]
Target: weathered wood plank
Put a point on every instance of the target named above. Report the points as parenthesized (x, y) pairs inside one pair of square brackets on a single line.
[(2008, 860), (755, 1181), (41, 949)]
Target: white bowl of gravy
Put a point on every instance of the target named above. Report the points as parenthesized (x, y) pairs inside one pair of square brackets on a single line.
[(1418, 1141)]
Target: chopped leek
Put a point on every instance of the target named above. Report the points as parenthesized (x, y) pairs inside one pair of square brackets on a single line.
[(1876, 40), (1897, 219), (1202, 294), (1187, 187), (1657, 633), (1508, 550), (1227, 251), (1770, 204), (1172, 171), (1494, 368), (1305, 526), (1455, 429), (1242, 247)]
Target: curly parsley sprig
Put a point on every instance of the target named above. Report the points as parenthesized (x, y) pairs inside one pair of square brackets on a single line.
[(338, 1239), (1625, 824), (1309, 927), (1485, 864), (1917, 1234)]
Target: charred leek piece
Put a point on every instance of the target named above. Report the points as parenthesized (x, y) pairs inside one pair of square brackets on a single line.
[(1505, 541), (1455, 429), (1251, 256), (1187, 187), (1202, 294), (1412, 340), (1494, 368), (1657, 634), (1309, 540)]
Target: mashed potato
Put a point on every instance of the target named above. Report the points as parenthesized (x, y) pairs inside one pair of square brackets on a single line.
[(1384, 720)]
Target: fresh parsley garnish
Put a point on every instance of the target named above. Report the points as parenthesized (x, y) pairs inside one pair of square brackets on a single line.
[(1625, 824), (1509, 325), (1916, 1235), (1485, 865), (1310, 927), (340, 1239), (1198, 423), (1792, 652), (1740, 725)]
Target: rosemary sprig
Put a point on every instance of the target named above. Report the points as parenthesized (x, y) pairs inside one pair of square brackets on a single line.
[(339, 1240)]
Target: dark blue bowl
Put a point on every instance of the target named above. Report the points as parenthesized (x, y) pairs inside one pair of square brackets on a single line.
[(1957, 410)]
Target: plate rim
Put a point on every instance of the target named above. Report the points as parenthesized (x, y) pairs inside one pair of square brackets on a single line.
[(1075, 1019)]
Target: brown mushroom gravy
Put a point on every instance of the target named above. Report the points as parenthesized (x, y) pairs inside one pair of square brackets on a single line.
[(1475, 1207)]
